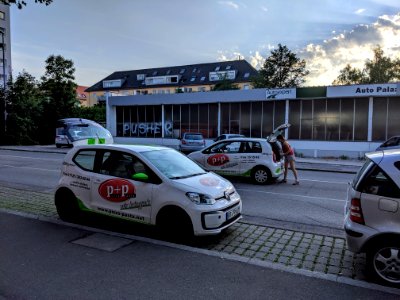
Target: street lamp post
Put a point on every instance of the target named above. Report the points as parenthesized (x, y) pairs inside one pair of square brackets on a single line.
[(4, 77)]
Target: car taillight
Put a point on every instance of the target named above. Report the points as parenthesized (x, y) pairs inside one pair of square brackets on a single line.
[(184, 142), (356, 214), (274, 157)]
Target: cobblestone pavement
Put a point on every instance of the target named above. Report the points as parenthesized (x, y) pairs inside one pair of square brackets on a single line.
[(301, 250)]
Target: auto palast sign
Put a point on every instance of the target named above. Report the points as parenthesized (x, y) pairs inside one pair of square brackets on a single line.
[(273, 94), (385, 89)]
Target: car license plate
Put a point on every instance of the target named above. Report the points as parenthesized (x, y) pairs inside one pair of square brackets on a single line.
[(233, 212)]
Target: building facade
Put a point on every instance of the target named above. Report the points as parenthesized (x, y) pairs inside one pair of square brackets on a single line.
[(325, 121), (171, 80), (5, 41)]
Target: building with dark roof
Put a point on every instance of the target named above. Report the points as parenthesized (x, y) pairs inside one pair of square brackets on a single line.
[(170, 80)]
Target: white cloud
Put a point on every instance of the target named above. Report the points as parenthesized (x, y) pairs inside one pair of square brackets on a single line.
[(230, 4), (360, 11), (327, 59), (263, 8)]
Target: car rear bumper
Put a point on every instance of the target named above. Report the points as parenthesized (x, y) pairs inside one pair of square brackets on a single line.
[(357, 235)]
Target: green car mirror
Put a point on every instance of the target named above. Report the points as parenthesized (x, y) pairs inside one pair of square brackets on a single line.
[(140, 176)]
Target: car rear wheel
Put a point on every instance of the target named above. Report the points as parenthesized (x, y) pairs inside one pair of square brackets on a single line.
[(383, 262), (261, 175), (67, 206)]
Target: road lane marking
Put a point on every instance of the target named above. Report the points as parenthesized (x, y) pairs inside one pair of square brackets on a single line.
[(325, 181), (37, 158), (32, 168), (291, 195)]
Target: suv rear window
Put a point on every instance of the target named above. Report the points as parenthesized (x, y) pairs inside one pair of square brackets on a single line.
[(377, 182), (193, 137)]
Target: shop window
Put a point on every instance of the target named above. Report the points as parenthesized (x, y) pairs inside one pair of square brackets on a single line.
[(279, 115), (245, 118), (319, 119), (268, 118), (346, 119), (393, 117), (294, 119), (256, 117), (361, 120), (332, 119), (306, 119)]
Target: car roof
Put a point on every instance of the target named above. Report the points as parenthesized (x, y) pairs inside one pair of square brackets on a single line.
[(241, 139), (134, 148)]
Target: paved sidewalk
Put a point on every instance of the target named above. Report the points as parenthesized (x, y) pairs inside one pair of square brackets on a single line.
[(295, 250)]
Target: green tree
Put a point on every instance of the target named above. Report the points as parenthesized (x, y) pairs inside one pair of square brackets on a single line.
[(96, 113), (24, 108), (379, 69), (350, 75), (280, 70), (59, 90), (21, 3)]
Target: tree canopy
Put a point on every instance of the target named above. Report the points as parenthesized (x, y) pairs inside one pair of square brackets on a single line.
[(59, 90), (379, 69), (281, 69), (21, 3)]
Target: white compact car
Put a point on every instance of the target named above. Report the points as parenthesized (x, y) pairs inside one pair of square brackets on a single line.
[(249, 157), (152, 185), (372, 221)]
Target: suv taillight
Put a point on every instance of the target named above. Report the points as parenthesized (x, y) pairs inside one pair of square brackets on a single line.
[(356, 214), (274, 157)]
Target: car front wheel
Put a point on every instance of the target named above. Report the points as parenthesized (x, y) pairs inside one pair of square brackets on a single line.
[(383, 262), (261, 175), (67, 206)]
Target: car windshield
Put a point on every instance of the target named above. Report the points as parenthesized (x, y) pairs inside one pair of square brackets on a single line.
[(173, 164), (84, 131)]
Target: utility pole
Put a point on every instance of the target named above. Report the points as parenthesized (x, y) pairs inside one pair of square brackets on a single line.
[(3, 104)]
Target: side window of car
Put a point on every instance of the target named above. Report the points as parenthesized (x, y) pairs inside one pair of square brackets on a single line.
[(117, 164), (377, 182), (251, 147), (219, 148), (85, 159)]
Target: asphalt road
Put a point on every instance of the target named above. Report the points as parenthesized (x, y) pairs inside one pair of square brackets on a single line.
[(317, 202)]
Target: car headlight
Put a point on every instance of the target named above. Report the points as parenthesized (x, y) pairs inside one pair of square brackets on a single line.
[(200, 198)]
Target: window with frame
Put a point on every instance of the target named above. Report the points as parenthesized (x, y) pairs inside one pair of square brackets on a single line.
[(85, 159), (377, 182), (2, 15)]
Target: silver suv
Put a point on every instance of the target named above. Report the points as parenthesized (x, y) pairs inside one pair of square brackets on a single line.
[(372, 221)]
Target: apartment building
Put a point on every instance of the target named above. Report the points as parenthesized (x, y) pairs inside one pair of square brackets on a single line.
[(171, 80)]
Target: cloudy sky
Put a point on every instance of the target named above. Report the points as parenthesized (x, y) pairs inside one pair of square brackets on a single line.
[(103, 36)]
